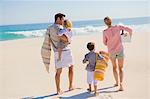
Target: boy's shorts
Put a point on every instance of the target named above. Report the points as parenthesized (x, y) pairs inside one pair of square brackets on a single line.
[(90, 78), (118, 55)]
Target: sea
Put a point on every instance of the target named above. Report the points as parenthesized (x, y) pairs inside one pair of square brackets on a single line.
[(21, 31)]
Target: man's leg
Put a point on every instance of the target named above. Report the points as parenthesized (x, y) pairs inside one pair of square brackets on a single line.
[(113, 60), (57, 79), (120, 64), (59, 54), (70, 75)]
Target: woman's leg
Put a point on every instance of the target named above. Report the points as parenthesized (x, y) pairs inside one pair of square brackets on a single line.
[(120, 64), (114, 64)]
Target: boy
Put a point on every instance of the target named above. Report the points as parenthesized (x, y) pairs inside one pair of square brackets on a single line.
[(90, 59)]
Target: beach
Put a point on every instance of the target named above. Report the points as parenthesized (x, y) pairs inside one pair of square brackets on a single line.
[(23, 74)]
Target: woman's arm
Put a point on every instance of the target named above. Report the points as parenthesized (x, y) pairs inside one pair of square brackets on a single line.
[(126, 29), (104, 39)]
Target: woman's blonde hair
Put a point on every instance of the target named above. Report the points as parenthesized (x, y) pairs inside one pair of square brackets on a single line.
[(68, 24)]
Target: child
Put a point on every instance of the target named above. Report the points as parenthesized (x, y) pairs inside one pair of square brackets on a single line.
[(90, 59), (64, 33)]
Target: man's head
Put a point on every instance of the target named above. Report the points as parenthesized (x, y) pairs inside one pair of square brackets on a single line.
[(108, 21), (91, 46), (59, 18)]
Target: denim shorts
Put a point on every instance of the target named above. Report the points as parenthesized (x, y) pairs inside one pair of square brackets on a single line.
[(117, 55)]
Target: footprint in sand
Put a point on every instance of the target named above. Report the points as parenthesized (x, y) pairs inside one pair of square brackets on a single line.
[(105, 97)]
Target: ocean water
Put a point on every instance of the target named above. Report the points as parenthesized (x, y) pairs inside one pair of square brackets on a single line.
[(11, 32)]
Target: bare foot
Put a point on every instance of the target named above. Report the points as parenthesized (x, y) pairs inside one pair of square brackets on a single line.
[(121, 88), (115, 84), (59, 92), (58, 59), (96, 94), (89, 90), (71, 88)]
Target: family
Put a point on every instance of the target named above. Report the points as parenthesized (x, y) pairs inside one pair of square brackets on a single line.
[(59, 36)]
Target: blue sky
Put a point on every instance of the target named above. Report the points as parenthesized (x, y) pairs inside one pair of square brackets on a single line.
[(43, 11)]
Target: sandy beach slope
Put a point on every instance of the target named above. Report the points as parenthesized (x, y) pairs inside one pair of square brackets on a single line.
[(22, 73)]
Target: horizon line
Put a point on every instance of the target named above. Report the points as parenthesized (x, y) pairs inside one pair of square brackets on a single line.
[(74, 21)]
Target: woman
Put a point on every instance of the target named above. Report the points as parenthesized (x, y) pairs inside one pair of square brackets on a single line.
[(112, 39)]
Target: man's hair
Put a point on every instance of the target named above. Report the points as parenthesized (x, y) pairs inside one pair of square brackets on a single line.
[(106, 18), (59, 15), (90, 46)]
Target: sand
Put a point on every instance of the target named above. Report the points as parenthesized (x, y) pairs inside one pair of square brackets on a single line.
[(22, 73)]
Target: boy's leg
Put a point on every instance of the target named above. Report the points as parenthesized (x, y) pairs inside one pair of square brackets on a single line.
[(70, 75), (95, 90), (57, 80), (89, 89), (95, 86), (89, 80), (114, 64)]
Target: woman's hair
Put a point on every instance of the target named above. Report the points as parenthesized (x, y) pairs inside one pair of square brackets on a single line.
[(67, 24), (107, 18)]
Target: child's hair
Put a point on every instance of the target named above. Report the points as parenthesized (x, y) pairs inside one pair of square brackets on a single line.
[(67, 24), (90, 46)]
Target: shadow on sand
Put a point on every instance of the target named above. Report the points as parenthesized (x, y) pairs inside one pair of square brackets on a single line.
[(83, 95)]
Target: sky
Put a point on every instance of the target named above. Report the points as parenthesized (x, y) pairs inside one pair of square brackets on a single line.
[(43, 11)]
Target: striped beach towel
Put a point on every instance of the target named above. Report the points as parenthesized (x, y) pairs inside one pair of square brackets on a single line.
[(101, 66), (46, 48)]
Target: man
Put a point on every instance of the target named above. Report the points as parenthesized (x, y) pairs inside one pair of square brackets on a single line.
[(51, 38), (112, 39)]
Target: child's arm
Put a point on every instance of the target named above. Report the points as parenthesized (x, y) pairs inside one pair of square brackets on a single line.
[(85, 59), (63, 38), (62, 35), (100, 57)]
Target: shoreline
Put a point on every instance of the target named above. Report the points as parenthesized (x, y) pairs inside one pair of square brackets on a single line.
[(89, 31)]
